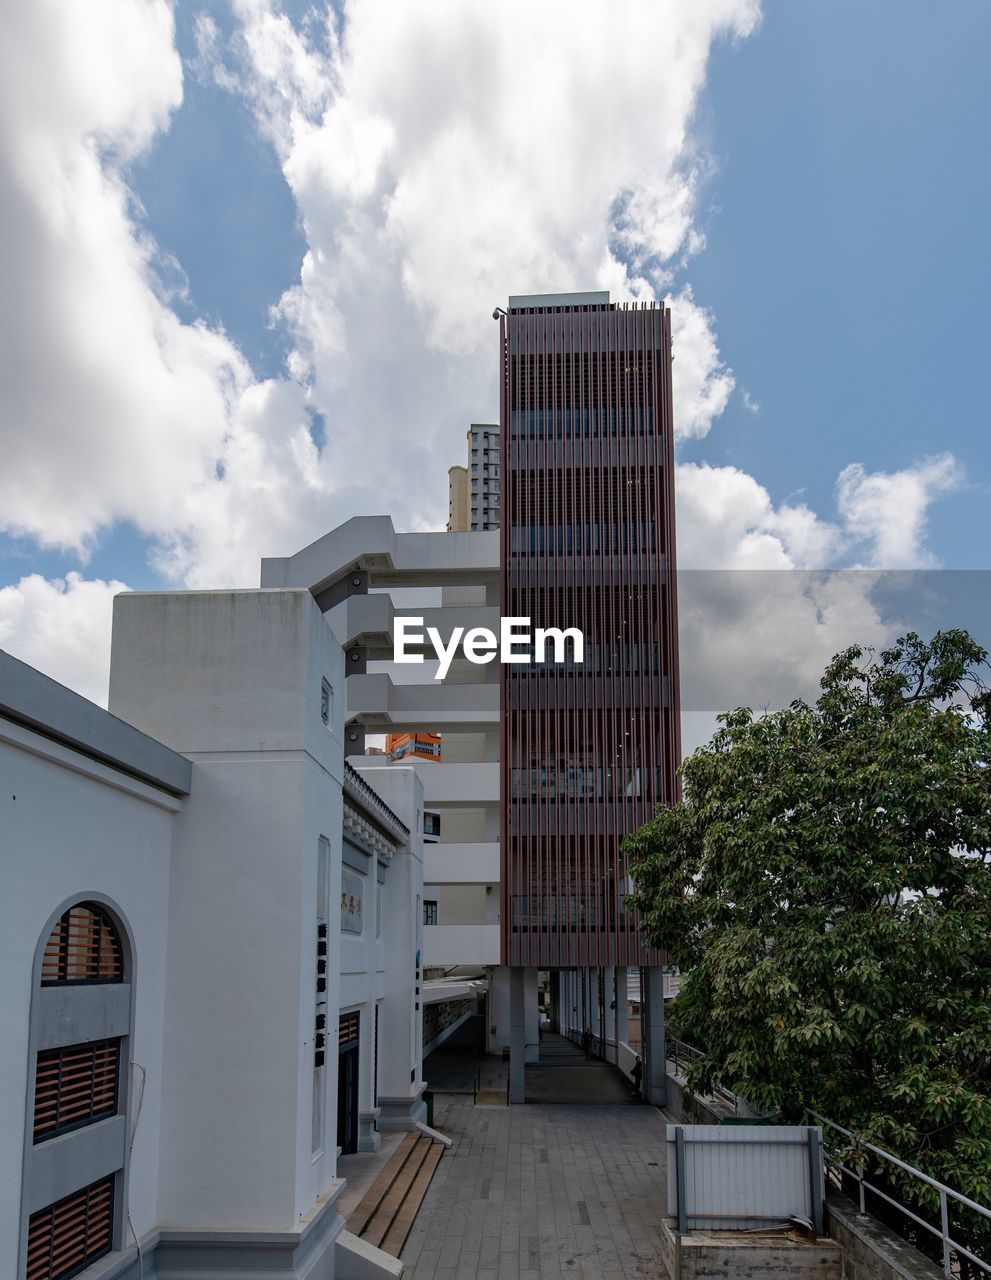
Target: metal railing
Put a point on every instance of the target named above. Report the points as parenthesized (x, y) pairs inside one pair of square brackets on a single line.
[(684, 1056), (949, 1245)]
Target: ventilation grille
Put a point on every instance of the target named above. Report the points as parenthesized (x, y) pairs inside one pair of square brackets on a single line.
[(75, 1086), (84, 946), (348, 1029), (66, 1237)]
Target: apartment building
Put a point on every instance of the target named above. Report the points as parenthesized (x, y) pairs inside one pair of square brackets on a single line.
[(475, 493)]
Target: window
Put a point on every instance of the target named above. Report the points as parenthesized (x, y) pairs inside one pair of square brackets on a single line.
[(76, 1087), (83, 947), (429, 911), (67, 1236), (326, 703)]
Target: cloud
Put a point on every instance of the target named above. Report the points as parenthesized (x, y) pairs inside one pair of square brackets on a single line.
[(887, 511), (62, 627), (439, 158)]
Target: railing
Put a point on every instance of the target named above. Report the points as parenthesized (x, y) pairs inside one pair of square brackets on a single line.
[(685, 1055), (949, 1245)]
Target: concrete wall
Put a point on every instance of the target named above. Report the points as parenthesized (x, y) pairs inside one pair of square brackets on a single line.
[(71, 828), (442, 1018), (870, 1250), (233, 679), (701, 1255)]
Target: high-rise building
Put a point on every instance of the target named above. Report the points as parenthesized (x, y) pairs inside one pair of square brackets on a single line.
[(474, 490), (587, 540), (417, 746)]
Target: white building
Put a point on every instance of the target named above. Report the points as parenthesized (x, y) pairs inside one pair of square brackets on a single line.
[(211, 932), (363, 575)]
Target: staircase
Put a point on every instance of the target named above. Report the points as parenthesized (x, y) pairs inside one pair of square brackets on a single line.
[(388, 1209)]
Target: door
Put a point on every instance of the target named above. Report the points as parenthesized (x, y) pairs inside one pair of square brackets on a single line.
[(347, 1082)]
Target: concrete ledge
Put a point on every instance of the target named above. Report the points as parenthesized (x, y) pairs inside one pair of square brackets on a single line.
[(872, 1251), (355, 1259), (31, 699), (729, 1253)]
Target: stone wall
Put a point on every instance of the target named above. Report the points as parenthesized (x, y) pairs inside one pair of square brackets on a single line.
[(872, 1251), (443, 1016)]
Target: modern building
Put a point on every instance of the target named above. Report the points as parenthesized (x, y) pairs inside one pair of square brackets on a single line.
[(418, 746), (545, 768), (211, 940), (474, 490), (587, 751), (361, 575)]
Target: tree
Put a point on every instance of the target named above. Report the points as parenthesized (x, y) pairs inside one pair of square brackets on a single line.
[(825, 888)]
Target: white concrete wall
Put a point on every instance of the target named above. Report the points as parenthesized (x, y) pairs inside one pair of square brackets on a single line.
[(233, 680), (71, 828), (460, 944), (401, 1017)]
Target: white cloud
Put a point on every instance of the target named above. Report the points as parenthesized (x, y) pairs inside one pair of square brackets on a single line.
[(887, 510), (440, 158), (61, 627)]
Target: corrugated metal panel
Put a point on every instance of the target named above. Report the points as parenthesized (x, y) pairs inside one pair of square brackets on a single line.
[(743, 1176)]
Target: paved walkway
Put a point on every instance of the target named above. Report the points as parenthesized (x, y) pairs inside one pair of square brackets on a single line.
[(542, 1191), (452, 1066), (564, 1074)]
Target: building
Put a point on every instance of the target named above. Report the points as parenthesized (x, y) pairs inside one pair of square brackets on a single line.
[(211, 942), (587, 751), (359, 575), (474, 490), (418, 746)]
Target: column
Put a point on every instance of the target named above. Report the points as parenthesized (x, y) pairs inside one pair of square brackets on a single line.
[(530, 1015), (611, 1009), (557, 995), (652, 1024), (517, 1035), (622, 1005)]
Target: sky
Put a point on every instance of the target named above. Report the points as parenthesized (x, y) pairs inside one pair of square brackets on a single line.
[(251, 252)]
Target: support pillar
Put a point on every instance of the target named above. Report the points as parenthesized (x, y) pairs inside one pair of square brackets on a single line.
[(654, 1051), (531, 1016), (622, 1005), (557, 995), (517, 1036), (609, 990)]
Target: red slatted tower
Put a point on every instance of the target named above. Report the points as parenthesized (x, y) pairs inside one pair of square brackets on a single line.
[(587, 540)]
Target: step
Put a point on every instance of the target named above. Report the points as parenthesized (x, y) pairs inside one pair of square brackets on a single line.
[(402, 1223), (378, 1228), (364, 1211)]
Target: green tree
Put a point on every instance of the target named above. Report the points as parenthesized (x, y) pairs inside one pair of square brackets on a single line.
[(825, 888)]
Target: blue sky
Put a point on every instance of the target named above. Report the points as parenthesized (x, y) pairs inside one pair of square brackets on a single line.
[(847, 259), (198, 397)]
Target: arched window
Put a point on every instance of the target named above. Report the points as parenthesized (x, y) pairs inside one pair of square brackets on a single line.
[(84, 946), (76, 1145)]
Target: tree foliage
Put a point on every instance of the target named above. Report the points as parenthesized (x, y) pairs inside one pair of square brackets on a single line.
[(825, 888)]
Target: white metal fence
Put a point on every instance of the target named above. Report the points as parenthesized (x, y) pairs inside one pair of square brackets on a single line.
[(726, 1177)]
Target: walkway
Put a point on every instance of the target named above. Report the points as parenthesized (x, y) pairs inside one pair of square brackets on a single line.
[(565, 1075), (452, 1066), (542, 1191)]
